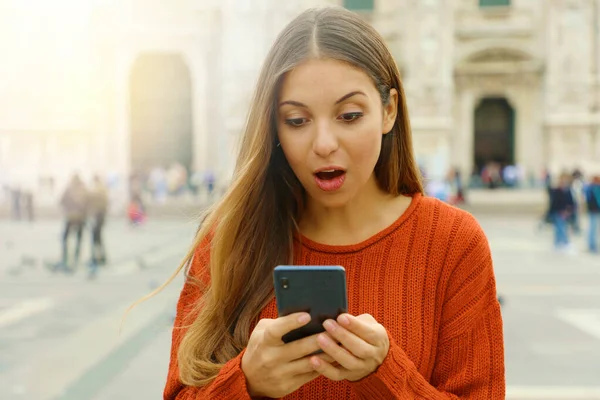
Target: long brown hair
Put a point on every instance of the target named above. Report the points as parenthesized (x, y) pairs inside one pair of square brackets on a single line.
[(251, 229)]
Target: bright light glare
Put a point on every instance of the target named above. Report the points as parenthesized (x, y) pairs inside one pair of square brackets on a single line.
[(45, 49)]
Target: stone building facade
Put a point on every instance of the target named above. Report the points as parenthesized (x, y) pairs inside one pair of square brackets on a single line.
[(511, 81), (149, 82)]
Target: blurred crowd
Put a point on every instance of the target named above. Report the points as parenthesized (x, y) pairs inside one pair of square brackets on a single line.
[(451, 188), (571, 197), (573, 200), (159, 184), (156, 185), (495, 175), (84, 207)]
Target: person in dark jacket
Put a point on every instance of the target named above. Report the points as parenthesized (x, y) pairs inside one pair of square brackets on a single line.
[(98, 206), (562, 206), (592, 197)]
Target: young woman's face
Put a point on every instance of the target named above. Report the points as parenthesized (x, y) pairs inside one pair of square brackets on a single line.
[(330, 124)]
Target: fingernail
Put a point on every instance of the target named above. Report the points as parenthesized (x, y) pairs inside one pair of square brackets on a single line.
[(304, 318), (329, 325), (344, 320), (323, 340), (315, 362)]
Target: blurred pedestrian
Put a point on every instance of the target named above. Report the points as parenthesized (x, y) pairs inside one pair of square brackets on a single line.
[(454, 187), (98, 207), (136, 211), (74, 203), (16, 204), (157, 183), (561, 208), (459, 191), (577, 190), (547, 217), (510, 175), (547, 178), (177, 179), (209, 181), (27, 205), (592, 195), (195, 182)]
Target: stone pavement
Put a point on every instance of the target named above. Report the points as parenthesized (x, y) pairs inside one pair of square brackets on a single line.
[(28, 247), (59, 334), (551, 312), (54, 327)]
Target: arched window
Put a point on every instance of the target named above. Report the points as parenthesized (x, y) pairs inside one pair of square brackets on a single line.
[(492, 3), (360, 5)]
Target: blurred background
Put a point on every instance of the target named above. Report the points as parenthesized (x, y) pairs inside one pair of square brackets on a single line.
[(119, 122)]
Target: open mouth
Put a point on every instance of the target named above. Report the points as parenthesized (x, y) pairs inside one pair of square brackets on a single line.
[(330, 180), (330, 174)]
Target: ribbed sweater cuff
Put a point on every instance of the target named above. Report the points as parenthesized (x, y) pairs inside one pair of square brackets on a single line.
[(389, 378), (231, 381)]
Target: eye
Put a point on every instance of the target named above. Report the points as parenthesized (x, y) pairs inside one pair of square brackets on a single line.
[(296, 122), (350, 117)]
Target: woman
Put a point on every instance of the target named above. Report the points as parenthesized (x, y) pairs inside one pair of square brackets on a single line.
[(327, 176)]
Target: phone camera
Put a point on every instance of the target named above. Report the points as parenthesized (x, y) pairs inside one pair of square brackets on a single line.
[(285, 283)]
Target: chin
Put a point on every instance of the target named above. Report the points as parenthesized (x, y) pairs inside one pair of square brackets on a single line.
[(331, 200)]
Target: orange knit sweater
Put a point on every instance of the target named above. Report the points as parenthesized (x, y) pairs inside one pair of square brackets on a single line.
[(428, 279)]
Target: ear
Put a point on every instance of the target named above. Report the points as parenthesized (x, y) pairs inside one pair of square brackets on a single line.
[(390, 111)]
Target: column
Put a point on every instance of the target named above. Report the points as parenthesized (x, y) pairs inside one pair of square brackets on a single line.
[(596, 133), (120, 159), (462, 146), (570, 74), (519, 100), (201, 142)]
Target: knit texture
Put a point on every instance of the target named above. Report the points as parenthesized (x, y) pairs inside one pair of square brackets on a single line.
[(428, 279)]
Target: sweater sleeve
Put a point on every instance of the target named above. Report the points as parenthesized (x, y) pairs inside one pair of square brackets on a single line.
[(230, 382), (470, 353)]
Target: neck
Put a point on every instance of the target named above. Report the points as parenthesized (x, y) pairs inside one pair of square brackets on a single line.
[(366, 214)]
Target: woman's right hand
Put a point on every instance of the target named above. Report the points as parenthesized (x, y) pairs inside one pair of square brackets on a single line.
[(274, 368)]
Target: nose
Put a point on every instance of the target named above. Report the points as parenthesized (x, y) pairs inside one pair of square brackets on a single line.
[(325, 142)]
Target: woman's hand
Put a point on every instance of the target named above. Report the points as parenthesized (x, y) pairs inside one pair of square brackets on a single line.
[(364, 344), (273, 368)]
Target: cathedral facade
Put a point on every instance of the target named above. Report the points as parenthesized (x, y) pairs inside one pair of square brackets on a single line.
[(151, 82)]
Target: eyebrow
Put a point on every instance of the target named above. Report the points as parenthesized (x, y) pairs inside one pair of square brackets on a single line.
[(341, 99)]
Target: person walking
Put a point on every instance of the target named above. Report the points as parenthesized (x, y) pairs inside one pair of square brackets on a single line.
[(74, 203), (592, 196), (562, 207), (98, 207), (577, 191)]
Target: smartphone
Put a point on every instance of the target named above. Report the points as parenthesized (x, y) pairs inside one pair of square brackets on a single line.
[(317, 290)]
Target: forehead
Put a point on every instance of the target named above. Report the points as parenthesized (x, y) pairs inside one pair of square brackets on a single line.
[(325, 78)]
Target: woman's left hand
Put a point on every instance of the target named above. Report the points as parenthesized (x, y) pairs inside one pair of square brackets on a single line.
[(364, 344)]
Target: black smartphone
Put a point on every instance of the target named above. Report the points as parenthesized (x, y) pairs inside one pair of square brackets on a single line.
[(317, 290)]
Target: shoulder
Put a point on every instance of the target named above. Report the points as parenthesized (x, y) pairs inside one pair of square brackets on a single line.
[(448, 223), (462, 253), (457, 242)]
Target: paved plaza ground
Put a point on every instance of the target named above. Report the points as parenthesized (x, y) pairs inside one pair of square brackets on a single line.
[(59, 334)]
